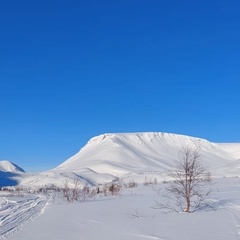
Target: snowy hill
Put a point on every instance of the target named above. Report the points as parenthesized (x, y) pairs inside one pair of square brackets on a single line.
[(6, 166), (124, 153), (108, 156), (10, 173)]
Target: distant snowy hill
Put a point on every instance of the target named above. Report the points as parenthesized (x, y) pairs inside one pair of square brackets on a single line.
[(6, 166), (10, 173), (108, 156)]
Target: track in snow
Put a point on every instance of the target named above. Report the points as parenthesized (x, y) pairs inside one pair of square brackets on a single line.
[(235, 212), (14, 213)]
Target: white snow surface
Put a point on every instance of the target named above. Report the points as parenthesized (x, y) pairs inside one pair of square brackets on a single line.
[(232, 148), (112, 217), (17, 210), (108, 156)]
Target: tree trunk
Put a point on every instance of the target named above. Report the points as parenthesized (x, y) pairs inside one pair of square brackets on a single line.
[(188, 203)]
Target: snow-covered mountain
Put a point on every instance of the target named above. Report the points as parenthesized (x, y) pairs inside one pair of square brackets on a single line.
[(108, 156), (123, 153), (10, 174), (6, 166)]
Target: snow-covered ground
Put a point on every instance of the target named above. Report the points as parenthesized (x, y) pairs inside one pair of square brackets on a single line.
[(127, 216), (16, 210)]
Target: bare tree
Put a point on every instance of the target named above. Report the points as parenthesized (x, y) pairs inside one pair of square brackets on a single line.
[(188, 188), (115, 186), (66, 190), (75, 190)]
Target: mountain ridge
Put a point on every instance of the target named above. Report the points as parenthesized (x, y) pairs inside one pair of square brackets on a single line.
[(133, 143), (117, 155)]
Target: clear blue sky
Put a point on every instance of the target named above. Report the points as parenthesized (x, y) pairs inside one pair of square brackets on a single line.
[(70, 70)]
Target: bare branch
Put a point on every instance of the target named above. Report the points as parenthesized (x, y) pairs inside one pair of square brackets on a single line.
[(189, 178)]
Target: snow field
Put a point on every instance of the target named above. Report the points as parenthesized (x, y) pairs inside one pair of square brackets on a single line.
[(130, 216), (15, 211)]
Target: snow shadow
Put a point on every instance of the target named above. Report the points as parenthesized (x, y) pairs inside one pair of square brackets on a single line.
[(213, 205), (8, 179)]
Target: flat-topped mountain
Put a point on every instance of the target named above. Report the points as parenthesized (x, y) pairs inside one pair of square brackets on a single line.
[(123, 153), (108, 156)]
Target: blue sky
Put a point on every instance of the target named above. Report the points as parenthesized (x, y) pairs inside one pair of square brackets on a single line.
[(71, 70)]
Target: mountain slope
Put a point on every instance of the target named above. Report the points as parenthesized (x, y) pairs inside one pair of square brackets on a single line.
[(6, 166), (122, 153), (10, 174), (232, 148), (108, 156)]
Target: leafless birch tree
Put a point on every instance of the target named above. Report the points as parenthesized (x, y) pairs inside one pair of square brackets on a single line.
[(188, 188)]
